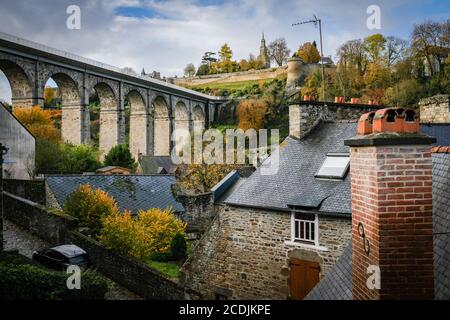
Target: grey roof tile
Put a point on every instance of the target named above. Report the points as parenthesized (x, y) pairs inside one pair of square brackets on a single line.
[(131, 192), (295, 182)]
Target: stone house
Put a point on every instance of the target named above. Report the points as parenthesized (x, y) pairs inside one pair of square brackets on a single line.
[(276, 236), (156, 165), (115, 170), (20, 159)]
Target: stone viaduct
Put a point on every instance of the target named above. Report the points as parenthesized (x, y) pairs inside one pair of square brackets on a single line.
[(157, 108)]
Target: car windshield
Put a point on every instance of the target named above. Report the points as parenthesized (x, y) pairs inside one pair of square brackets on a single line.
[(77, 260)]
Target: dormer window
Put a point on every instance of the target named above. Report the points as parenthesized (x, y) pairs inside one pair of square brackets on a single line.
[(335, 166)]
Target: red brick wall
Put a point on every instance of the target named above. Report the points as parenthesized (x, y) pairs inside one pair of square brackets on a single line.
[(392, 197)]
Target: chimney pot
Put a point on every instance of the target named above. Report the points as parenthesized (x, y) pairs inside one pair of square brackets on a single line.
[(398, 120)]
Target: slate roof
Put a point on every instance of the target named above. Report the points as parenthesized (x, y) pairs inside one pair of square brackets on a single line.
[(153, 165), (441, 224), (337, 283), (440, 131), (131, 192), (295, 184)]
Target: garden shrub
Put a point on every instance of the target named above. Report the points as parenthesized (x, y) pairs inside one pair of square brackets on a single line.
[(178, 247), (151, 232), (89, 206), (29, 282)]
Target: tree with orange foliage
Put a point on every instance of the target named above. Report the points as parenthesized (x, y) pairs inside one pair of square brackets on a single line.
[(41, 123), (90, 206), (252, 114), (308, 53)]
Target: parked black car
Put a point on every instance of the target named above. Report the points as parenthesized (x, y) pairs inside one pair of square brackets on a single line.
[(59, 258)]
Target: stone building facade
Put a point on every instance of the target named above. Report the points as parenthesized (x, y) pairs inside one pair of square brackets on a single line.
[(245, 253), (435, 109)]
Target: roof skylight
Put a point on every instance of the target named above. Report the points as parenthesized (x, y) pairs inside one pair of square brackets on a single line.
[(335, 166)]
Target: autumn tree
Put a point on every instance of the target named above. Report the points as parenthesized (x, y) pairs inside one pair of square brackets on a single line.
[(308, 53), (40, 122), (89, 206), (395, 50), (279, 51), (189, 70), (50, 96), (430, 42), (252, 114), (199, 178), (150, 232), (225, 53)]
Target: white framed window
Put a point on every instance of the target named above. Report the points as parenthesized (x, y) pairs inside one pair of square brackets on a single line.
[(305, 228)]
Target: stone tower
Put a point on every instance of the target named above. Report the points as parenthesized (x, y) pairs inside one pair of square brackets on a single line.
[(264, 53)]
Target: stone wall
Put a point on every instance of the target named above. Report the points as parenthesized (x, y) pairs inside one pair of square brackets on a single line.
[(58, 229), (33, 190), (199, 211), (435, 109), (245, 253), (305, 115), (37, 219), (133, 275)]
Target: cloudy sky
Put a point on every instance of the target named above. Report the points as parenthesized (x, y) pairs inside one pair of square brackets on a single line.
[(167, 35)]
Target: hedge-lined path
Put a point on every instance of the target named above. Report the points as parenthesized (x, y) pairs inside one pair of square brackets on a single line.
[(16, 238)]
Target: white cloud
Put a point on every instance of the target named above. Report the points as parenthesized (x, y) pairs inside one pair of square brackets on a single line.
[(183, 30)]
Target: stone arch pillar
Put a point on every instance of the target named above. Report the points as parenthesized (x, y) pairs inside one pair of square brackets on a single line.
[(110, 117), (181, 123), (74, 128), (162, 127), (139, 125), (21, 85), (198, 118)]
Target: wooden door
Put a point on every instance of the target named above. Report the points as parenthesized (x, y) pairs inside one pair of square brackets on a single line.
[(304, 275)]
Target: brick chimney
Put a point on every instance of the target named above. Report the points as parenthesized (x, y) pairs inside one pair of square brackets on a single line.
[(391, 183)]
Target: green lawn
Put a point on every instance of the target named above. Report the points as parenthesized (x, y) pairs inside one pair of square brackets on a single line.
[(227, 85), (171, 269)]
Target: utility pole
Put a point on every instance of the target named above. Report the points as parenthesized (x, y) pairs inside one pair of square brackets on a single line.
[(316, 22)]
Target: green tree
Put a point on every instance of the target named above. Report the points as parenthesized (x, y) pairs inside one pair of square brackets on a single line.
[(48, 156), (374, 45), (81, 158), (203, 69), (120, 155)]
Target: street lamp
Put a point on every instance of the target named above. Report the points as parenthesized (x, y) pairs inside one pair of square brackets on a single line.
[(316, 22), (3, 151)]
